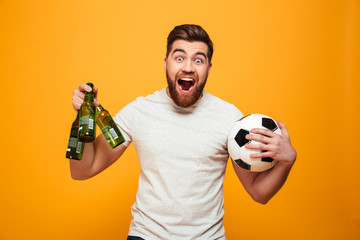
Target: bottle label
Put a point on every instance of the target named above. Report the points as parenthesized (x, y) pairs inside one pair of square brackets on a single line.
[(91, 123), (86, 120), (73, 142), (79, 146), (113, 133)]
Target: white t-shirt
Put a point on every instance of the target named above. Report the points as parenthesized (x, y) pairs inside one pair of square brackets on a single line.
[(183, 156)]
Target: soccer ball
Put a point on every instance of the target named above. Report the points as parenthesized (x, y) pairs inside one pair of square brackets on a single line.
[(236, 142)]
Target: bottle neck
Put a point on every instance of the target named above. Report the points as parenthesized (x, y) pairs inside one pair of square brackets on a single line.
[(89, 96), (100, 108), (77, 116)]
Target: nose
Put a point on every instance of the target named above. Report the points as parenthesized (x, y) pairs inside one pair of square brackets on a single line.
[(188, 66)]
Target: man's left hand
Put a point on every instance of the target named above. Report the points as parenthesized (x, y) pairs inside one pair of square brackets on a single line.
[(275, 146)]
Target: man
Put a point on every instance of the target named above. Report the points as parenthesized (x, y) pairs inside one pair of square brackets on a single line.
[(180, 135)]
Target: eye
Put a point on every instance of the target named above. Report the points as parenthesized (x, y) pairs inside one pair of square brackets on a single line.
[(198, 60), (179, 59)]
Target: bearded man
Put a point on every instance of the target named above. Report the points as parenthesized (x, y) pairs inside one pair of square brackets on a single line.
[(180, 136)]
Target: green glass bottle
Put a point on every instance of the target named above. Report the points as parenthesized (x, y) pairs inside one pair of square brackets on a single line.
[(75, 147), (108, 127), (87, 128)]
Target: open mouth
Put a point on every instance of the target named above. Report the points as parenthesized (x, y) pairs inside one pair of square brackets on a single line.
[(186, 84)]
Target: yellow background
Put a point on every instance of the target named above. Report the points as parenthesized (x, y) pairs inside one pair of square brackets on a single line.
[(297, 61)]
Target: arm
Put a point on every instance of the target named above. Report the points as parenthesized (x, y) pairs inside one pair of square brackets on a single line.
[(97, 155), (264, 185)]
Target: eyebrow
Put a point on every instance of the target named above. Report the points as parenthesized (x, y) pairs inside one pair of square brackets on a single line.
[(183, 51)]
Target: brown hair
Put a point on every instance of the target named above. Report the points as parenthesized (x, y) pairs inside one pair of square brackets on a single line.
[(191, 33)]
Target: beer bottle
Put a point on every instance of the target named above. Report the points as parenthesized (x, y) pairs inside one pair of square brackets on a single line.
[(108, 127), (75, 147), (87, 128)]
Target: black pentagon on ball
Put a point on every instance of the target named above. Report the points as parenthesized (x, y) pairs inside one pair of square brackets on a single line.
[(240, 137), (267, 159), (269, 124), (243, 164)]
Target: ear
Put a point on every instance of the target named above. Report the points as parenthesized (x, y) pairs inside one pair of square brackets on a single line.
[(210, 65), (165, 64)]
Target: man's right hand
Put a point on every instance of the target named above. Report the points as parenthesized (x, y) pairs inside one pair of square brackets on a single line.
[(97, 155), (79, 94)]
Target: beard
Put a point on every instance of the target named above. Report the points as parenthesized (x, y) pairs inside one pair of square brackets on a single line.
[(185, 100)]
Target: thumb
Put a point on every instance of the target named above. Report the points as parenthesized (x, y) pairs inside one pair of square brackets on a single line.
[(283, 128)]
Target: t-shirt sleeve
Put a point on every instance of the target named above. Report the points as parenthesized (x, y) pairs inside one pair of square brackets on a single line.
[(123, 120), (236, 114)]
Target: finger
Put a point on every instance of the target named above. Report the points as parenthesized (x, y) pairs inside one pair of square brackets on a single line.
[(261, 147), (78, 96), (79, 93), (97, 103), (264, 132), (76, 106), (77, 101), (95, 91), (84, 88), (259, 138), (283, 128), (262, 155)]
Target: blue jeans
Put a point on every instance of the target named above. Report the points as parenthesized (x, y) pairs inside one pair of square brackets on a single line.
[(134, 238)]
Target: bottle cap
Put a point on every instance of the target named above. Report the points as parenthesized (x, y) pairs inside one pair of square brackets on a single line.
[(90, 84)]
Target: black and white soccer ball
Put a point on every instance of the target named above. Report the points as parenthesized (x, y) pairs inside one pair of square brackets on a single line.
[(236, 142)]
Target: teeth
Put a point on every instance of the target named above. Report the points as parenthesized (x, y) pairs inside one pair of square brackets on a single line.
[(186, 79)]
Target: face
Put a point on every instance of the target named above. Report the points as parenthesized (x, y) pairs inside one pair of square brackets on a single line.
[(187, 68)]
